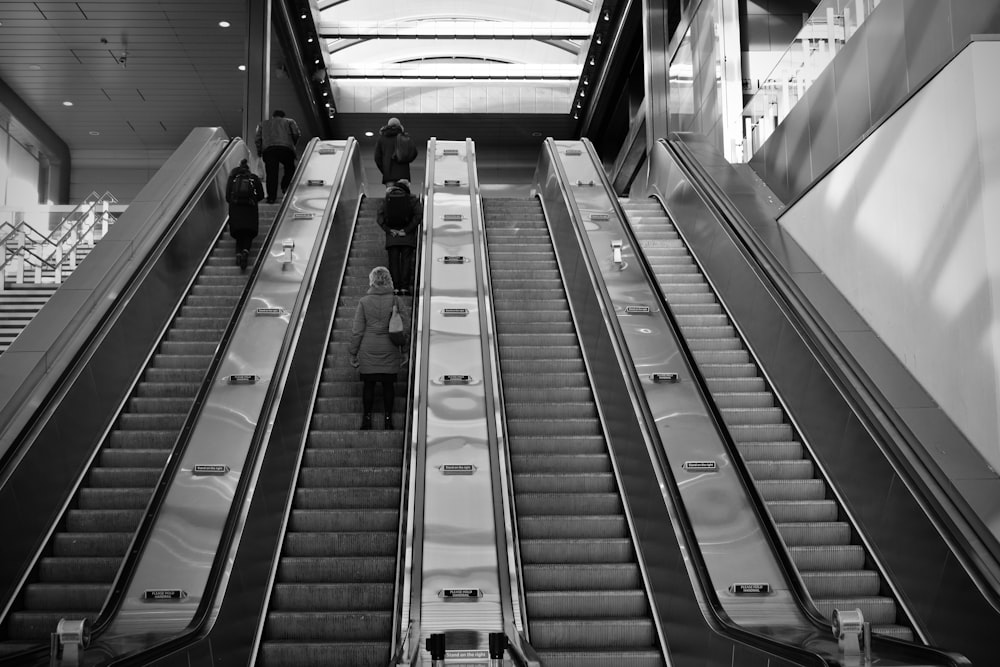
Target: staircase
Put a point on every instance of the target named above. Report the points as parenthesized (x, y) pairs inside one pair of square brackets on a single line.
[(585, 597), (83, 556), (822, 544), (333, 597)]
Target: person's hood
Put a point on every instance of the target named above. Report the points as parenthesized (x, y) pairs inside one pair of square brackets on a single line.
[(390, 130)]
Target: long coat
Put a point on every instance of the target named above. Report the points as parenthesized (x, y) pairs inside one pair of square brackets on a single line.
[(416, 217), (385, 147), (244, 218), (370, 333)]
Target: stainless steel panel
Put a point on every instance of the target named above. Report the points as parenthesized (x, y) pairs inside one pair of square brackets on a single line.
[(852, 105), (182, 544)]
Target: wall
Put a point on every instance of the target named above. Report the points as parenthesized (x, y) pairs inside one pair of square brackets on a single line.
[(901, 45), (905, 226)]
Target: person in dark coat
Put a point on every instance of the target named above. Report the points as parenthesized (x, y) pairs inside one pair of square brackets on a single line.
[(385, 149), (243, 216), (372, 352), (401, 240)]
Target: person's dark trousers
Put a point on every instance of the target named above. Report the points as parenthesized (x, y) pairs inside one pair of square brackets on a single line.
[(243, 241), (275, 157), (401, 266)]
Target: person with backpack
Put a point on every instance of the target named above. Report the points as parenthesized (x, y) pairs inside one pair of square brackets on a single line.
[(243, 191), (275, 141), (394, 151), (399, 215)]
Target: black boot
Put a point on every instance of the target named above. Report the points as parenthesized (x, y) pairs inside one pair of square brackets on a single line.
[(388, 422), (366, 421)]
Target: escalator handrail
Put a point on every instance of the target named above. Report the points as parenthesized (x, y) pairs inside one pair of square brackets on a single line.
[(273, 394), (764, 517), (718, 619), (72, 370)]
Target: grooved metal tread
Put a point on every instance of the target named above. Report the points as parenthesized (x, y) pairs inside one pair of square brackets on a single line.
[(585, 598)]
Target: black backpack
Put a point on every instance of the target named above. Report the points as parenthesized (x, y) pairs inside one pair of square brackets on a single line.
[(398, 211), (406, 150), (241, 189)]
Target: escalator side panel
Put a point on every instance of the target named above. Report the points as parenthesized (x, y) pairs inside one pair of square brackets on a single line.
[(65, 442)]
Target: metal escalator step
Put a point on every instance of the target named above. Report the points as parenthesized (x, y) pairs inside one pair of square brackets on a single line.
[(544, 305), (532, 383), (320, 569), (353, 498), (150, 422), (193, 335), (558, 444), (317, 626), (516, 316), (598, 634), (45, 597), (518, 340), (580, 526), (329, 438), (333, 545), (343, 477), (86, 545), (789, 511), (566, 464), (583, 576), (174, 375), (115, 521), (167, 389), (832, 557), (767, 450), (78, 570), (896, 631), (787, 469), (743, 400), (563, 482), (796, 489), (181, 361), (577, 551), (858, 583), (545, 351), (722, 334), (586, 604), (728, 371), (695, 320), (38, 625), (760, 432), (332, 596), (161, 440), (730, 357), (132, 498), (353, 457), (603, 658), (107, 478), (815, 533), (536, 427), (160, 404), (569, 504), (375, 518), (556, 407)]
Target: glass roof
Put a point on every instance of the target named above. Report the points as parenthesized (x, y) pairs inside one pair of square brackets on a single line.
[(444, 56)]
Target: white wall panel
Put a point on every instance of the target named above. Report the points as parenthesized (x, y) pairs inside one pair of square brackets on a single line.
[(906, 226)]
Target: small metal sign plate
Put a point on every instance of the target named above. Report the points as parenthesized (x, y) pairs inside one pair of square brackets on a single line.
[(585, 183), (750, 589), (701, 466), (158, 594), (455, 312), (664, 377), (242, 379), (451, 151), (270, 312), (574, 151), (452, 217), (457, 469), (288, 245), (456, 379), (602, 216), (454, 259), (452, 182), (327, 150), (638, 310), (460, 593), (466, 654), (316, 181), (302, 216), (210, 469)]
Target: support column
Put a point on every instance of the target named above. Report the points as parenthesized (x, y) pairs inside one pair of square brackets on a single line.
[(258, 61), (656, 65)]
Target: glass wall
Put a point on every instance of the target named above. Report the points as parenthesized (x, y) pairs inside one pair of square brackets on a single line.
[(19, 167)]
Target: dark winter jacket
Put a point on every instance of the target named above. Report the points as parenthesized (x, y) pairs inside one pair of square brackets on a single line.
[(277, 131), (370, 333), (385, 147), (410, 232), (243, 218)]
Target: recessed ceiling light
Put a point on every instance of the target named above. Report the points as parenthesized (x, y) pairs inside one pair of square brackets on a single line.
[(94, 133), (224, 24), (242, 68), (369, 133), (67, 103)]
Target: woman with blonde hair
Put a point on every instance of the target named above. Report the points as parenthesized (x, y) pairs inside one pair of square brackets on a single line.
[(372, 352)]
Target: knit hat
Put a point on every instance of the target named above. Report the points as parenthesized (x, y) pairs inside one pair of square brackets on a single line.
[(394, 121)]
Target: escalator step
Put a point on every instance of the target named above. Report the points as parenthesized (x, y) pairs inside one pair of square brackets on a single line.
[(557, 406), (791, 511), (332, 597), (833, 533), (335, 545), (128, 498), (559, 444), (367, 569), (842, 584), (565, 482), (353, 498), (595, 634), (591, 577), (109, 478), (577, 551), (167, 389), (566, 463), (78, 570), (843, 557), (876, 610), (88, 545), (586, 604), (538, 427), (319, 626), (349, 477), (115, 521), (134, 458), (50, 597), (594, 658), (580, 526), (797, 489), (775, 469)]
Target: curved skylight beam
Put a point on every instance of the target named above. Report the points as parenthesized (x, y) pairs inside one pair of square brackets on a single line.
[(389, 51), (582, 5), (456, 29)]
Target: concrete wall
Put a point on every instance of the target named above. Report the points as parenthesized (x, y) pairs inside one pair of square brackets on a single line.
[(906, 227)]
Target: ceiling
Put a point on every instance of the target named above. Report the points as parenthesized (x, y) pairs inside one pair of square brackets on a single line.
[(134, 76)]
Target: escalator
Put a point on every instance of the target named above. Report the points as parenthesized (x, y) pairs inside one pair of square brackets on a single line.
[(585, 596), (78, 567), (826, 550), (333, 593)]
